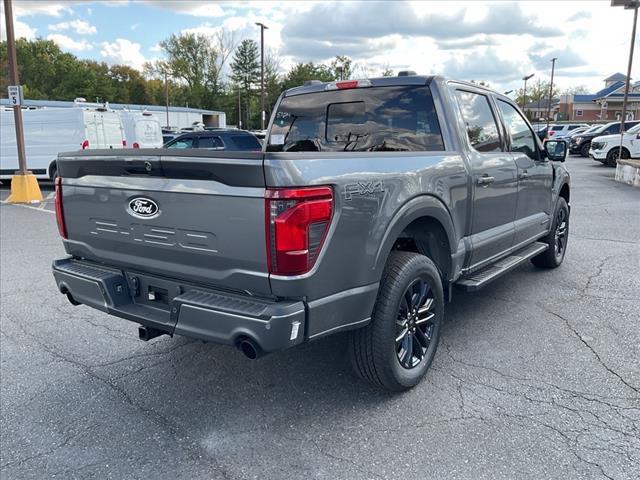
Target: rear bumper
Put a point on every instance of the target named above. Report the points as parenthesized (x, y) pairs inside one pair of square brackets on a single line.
[(178, 308)]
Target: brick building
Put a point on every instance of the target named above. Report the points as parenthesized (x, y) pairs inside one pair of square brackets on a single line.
[(603, 105)]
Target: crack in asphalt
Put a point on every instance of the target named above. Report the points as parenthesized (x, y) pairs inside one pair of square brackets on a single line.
[(155, 416), (574, 331), (607, 417), (598, 272), (593, 351)]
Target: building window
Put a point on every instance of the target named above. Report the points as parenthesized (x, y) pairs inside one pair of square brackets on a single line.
[(578, 113)]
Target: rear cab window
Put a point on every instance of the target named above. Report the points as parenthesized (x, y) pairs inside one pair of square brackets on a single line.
[(389, 118)]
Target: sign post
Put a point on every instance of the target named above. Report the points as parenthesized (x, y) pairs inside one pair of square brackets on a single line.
[(24, 185)]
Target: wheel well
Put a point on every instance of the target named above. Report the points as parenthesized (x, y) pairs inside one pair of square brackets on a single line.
[(427, 236), (564, 192)]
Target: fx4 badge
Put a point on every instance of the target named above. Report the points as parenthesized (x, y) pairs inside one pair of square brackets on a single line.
[(362, 188)]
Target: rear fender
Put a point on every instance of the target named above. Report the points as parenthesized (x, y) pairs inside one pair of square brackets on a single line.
[(419, 207)]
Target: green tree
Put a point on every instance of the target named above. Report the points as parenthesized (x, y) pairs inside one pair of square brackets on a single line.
[(193, 60), (577, 90), (302, 72), (535, 91), (245, 67), (387, 72), (341, 67)]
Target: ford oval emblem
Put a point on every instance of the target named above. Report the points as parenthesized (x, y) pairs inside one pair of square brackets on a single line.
[(143, 207)]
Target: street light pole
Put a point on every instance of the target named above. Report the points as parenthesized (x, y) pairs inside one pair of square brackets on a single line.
[(553, 67), (524, 93), (166, 96), (262, 29), (24, 185), (628, 5)]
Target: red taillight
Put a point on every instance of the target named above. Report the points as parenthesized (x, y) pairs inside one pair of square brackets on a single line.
[(136, 145), (551, 133), (124, 143), (62, 228), (297, 221), (85, 144), (346, 84)]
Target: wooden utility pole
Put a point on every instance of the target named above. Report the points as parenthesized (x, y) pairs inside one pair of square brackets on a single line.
[(24, 185)]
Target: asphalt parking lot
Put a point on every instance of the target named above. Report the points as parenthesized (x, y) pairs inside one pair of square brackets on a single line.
[(538, 376)]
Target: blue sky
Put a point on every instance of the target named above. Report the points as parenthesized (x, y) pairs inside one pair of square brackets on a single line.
[(498, 42)]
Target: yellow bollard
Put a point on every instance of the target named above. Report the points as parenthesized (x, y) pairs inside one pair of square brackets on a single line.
[(24, 189)]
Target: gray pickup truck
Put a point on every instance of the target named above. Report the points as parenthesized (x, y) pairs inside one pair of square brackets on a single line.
[(371, 200)]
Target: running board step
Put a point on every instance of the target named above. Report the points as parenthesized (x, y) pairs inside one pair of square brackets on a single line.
[(480, 278)]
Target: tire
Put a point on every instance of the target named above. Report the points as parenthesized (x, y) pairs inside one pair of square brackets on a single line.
[(380, 353), (612, 156), (556, 238), (53, 171), (584, 149)]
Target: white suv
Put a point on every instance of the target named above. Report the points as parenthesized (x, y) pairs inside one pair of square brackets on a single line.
[(606, 149), (564, 130)]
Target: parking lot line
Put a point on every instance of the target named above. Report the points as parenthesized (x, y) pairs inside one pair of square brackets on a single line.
[(40, 208)]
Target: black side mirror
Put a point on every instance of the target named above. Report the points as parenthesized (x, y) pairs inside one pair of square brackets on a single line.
[(556, 150)]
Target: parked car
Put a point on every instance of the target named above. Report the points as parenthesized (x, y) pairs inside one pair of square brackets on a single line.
[(566, 136), (606, 149), (582, 143), (540, 130), (141, 129), (562, 130), (218, 139), (372, 200), (49, 131)]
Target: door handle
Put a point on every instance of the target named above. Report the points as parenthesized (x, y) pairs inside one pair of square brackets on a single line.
[(524, 175), (485, 180)]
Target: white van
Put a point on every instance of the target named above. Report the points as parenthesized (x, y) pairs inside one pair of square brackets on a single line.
[(141, 129), (49, 131)]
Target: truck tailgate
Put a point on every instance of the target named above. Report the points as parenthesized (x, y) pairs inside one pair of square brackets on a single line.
[(194, 215)]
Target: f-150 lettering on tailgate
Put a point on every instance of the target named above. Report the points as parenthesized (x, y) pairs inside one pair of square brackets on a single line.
[(157, 235)]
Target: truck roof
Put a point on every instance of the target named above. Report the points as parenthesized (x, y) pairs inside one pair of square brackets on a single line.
[(318, 86)]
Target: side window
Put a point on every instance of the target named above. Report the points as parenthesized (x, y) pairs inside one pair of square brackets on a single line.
[(182, 143), (479, 120), (613, 129), (210, 142), (522, 139)]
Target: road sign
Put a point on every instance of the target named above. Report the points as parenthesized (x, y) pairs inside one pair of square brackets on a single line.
[(15, 95)]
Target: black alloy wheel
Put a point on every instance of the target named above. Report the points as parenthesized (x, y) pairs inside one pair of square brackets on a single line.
[(414, 325)]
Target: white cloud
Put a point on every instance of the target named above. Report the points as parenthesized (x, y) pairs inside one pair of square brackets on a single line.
[(23, 8), (79, 26), (195, 8), (155, 48), (123, 51), (21, 30), (68, 43)]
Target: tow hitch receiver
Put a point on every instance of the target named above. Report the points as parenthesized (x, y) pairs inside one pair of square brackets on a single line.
[(148, 333)]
